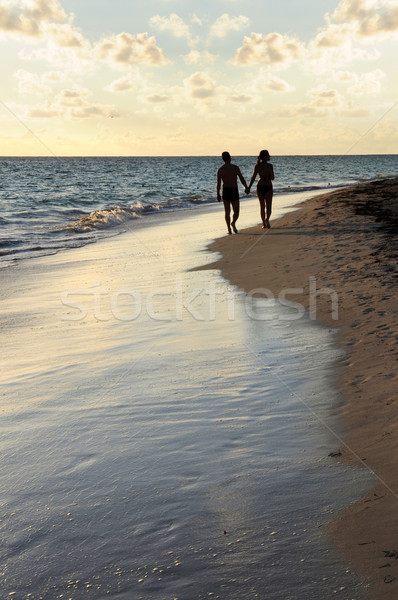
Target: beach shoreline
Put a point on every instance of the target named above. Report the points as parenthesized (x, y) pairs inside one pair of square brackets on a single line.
[(336, 258)]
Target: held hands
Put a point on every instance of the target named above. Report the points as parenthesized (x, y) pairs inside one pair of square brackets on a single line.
[(247, 190)]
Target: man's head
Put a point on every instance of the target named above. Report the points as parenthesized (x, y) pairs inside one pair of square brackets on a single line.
[(226, 156)]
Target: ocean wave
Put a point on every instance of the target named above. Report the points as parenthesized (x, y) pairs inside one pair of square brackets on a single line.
[(114, 216), (106, 218), (10, 243), (295, 189)]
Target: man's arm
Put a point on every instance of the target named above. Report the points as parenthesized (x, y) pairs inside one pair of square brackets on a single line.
[(218, 186), (242, 179)]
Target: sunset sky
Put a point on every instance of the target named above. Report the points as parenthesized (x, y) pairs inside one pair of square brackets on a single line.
[(176, 77)]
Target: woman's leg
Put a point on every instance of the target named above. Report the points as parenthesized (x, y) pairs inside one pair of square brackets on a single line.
[(268, 200), (262, 207)]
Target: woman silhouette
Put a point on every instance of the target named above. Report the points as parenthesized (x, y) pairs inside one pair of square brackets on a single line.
[(265, 171)]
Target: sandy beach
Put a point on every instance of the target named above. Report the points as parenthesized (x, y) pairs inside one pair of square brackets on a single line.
[(345, 244)]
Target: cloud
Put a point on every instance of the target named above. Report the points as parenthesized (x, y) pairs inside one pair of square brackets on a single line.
[(380, 24), (30, 83), (52, 76), (199, 86), (28, 18), (158, 98), (72, 104), (224, 24), (345, 76), (125, 49), (272, 83), (173, 23), (324, 101), (358, 20), (240, 98), (333, 35), (46, 20), (194, 57), (45, 111), (326, 97), (45, 10), (271, 49), (352, 10), (369, 83), (67, 36), (124, 84), (195, 19)]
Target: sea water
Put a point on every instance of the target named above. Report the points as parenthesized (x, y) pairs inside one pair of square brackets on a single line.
[(48, 204), (177, 452)]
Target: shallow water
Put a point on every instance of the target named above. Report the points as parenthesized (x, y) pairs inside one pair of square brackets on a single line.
[(178, 453)]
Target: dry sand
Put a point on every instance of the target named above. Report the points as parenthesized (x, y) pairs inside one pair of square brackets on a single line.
[(348, 241)]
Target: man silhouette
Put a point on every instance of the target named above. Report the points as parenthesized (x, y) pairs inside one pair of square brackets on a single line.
[(228, 174)]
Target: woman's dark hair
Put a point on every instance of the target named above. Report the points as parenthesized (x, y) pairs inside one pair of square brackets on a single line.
[(263, 154)]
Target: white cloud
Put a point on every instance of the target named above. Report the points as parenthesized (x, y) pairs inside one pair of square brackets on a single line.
[(158, 98), (333, 35), (124, 84), (345, 76), (65, 45), (67, 36), (45, 10), (359, 20), (44, 111), (269, 82), (29, 18), (199, 86), (30, 83), (177, 27), (195, 19), (126, 49), (224, 24), (369, 83), (240, 98), (324, 101), (72, 104), (52, 76), (336, 54), (194, 57), (326, 97), (353, 10), (69, 60), (271, 49)]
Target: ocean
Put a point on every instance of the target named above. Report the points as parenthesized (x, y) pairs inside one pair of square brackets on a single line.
[(49, 204)]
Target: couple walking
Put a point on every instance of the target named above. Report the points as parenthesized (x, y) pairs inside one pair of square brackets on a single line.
[(228, 174)]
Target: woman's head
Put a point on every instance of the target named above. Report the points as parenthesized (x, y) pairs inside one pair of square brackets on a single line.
[(264, 155)]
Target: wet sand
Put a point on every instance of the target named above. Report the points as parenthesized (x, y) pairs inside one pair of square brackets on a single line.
[(346, 241)]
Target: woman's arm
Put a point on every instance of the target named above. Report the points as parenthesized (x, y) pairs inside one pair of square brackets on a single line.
[(255, 171)]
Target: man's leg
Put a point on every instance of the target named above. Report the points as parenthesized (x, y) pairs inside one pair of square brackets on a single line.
[(227, 209), (235, 217)]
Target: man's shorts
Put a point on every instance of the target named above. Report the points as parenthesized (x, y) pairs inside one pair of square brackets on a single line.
[(230, 194)]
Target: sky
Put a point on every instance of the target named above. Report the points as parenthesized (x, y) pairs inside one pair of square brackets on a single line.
[(176, 77)]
